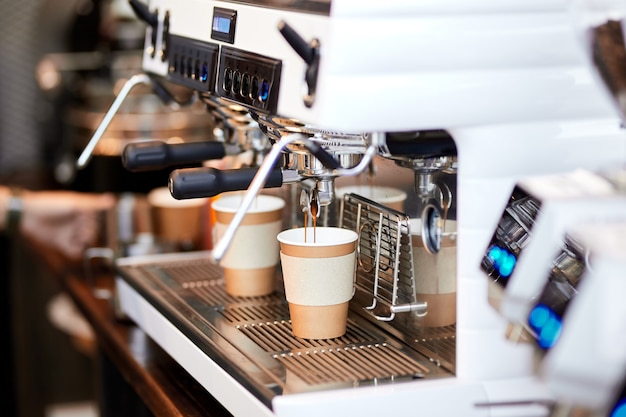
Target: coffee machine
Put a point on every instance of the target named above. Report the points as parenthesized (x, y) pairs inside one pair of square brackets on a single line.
[(568, 311), (528, 242), (585, 316), (485, 91)]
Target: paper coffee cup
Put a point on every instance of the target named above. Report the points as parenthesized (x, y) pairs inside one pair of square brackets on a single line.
[(319, 279), (435, 275), (250, 262), (177, 222), (387, 196)]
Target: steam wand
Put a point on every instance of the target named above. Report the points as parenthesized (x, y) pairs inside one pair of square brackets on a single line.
[(85, 156), (266, 167), (166, 97)]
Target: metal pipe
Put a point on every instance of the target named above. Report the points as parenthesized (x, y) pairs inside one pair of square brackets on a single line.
[(85, 156)]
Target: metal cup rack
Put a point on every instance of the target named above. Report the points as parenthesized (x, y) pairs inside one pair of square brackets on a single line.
[(384, 256)]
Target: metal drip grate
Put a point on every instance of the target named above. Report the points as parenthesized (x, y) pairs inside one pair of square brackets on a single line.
[(257, 312), (192, 271), (214, 293), (277, 337), (438, 343), (252, 336), (352, 363)]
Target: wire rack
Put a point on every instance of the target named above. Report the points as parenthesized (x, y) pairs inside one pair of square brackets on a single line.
[(384, 256)]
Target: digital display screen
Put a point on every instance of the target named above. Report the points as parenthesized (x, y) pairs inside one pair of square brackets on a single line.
[(224, 24), (221, 24)]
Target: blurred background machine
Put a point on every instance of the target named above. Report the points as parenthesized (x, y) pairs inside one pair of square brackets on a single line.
[(553, 265), (575, 313), (78, 86), (487, 93), (586, 327), (528, 240)]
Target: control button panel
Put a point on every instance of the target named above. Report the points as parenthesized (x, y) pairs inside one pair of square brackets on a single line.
[(193, 63), (249, 79)]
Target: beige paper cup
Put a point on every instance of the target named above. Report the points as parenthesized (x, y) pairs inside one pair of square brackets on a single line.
[(387, 196), (177, 222), (319, 279), (250, 262), (435, 275)]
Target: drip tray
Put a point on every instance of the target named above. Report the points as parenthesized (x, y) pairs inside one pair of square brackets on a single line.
[(251, 337)]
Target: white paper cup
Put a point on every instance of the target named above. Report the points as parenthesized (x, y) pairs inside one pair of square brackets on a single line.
[(319, 279), (178, 222), (387, 196), (435, 275), (250, 262)]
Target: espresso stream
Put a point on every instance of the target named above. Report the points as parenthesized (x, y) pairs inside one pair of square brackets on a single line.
[(306, 221), (314, 214), (314, 209)]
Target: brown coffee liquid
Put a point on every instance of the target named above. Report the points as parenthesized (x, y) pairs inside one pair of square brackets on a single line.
[(314, 214), (306, 223)]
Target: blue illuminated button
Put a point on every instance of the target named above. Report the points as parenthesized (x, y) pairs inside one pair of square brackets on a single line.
[(264, 91), (546, 324), (204, 73), (503, 260)]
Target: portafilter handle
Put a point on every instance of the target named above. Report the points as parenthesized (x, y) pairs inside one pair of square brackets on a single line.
[(208, 182), (154, 155)]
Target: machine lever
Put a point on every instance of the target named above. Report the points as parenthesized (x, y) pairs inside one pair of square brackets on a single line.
[(142, 12), (154, 155), (309, 52), (168, 98), (302, 48), (208, 182)]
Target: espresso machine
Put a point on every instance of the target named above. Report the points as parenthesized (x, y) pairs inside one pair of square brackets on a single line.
[(528, 241), (486, 91), (580, 309), (555, 275)]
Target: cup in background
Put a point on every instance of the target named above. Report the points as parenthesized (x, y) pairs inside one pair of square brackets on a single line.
[(250, 262), (319, 279), (435, 275), (177, 223), (387, 196)]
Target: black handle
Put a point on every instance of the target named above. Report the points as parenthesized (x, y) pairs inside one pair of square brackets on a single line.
[(324, 157), (208, 182), (153, 155), (143, 12), (296, 41), (309, 52), (425, 144), (167, 97)]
